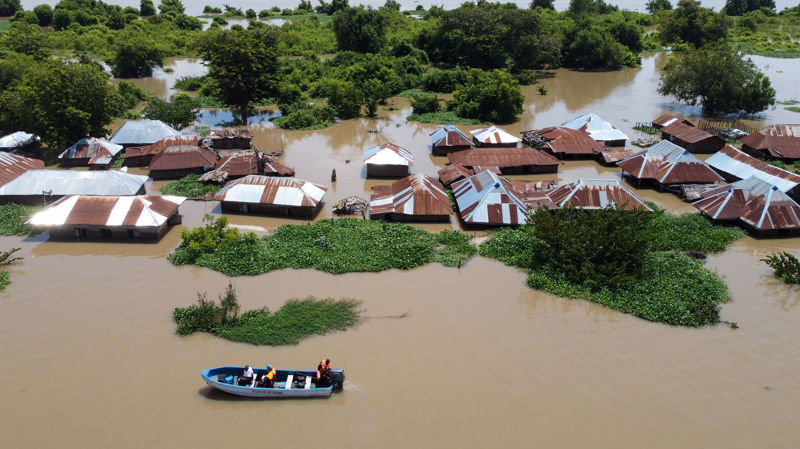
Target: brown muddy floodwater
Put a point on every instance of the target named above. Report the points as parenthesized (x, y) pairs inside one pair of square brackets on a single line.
[(90, 358)]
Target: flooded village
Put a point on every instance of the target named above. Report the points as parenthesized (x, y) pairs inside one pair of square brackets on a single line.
[(443, 357)]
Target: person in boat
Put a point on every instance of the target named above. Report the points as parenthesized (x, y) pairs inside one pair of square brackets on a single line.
[(323, 373), (247, 376), (268, 380)]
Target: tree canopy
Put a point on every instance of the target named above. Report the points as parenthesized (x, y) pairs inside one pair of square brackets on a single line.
[(9, 7), (360, 29), (720, 79), (692, 24), (179, 112), (739, 7), (492, 97)]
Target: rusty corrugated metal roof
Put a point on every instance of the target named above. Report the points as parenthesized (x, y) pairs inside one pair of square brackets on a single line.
[(667, 163), (758, 204), (742, 165), (159, 146), (449, 136), (128, 211), (183, 157), (688, 133), (454, 172), (12, 165), (224, 133), (272, 190), (246, 163), (534, 193), (488, 199), (90, 147), (417, 194), (569, 141), (614, 156), (781, 141), (596, 194), (502, 157), (666, 120)]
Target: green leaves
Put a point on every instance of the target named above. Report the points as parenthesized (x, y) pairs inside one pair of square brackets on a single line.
[(189, 187), (786, 266), (492, 97)]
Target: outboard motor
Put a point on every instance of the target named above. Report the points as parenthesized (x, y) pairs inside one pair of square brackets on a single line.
[(337, 378)]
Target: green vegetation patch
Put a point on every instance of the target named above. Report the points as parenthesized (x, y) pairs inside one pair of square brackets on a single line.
[(336, 246), (13, 217), (647, 129), (786, 266), (629, 261), (189, 187), (5, 279), (792, 108), (442, 118), (6, 259), (295, 320)]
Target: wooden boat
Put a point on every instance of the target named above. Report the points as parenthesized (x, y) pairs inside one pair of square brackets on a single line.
[(288, 383)]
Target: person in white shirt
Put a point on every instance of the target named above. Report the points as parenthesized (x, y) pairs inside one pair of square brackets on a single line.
[(247, 376)]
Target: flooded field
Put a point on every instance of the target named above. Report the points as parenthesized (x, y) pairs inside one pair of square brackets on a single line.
[(92, 361)]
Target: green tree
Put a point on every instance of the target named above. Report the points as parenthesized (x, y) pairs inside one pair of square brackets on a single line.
[(654, 6), (580, 7), (720, 79), (360, 29), (190, 23), (61, 19), (61, 101), (147, 8), (594, 48), (544, 4), (9, 7), (693, 24), (179, 112), (25, 38), (45, 14), (171, 6), (739, 7), (492, 97), (244, 65), (136, 54)]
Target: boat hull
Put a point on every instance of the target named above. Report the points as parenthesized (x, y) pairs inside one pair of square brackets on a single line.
[(215, 378)]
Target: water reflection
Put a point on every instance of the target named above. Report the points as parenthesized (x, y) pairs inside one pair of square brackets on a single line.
[(227, 118)]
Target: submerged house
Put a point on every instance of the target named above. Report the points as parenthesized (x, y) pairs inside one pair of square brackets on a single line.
[(246, 163), (19, 142), (486, 199), (505, 160), (108, 217), (666, 163), (562, 141), (13, 165), (181, 160), (447, 139), (598, 129), (760, 206), (271, 195), (455, 172), (494, 137), (90, 151), (596, 194), (231, 139), (142, 132), (37, 186), (735, 165), (141, 156), (693, 139), (388, 160), (413, 198), (666, 120), (774, 141)]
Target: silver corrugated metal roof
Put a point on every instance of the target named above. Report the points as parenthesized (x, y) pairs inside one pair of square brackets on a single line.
[(486, 198), (17, 139), (597, 128), (272, 190), (139, 211), (743, 166), (112, 148), (66, 182), (388, 154), (142, 132), (494, 135)]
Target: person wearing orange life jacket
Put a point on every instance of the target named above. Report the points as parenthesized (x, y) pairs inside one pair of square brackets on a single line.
[(323, 373), (268, 380)]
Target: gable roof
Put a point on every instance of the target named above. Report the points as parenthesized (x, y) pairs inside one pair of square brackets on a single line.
[(666, 120), (597, 128), (78, 182), (486, 198), (246, 163), (668, 163), (388, 154), (417, 194), (17, 139), (565, 140), (688, 133), (129, 211), (501, 157), (161, 145), (449, 136), (13, 165), (279, 191), (493, 135), (90, 147), (742, 165), (183, 157), (596, 194), (756, 203), (141, 132), (781, 141)]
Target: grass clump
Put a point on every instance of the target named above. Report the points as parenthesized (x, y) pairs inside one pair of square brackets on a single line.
[(786, 266), (442, 118), (335, 246), (294, 321), (189, 187), (630, 261), (13, 217)]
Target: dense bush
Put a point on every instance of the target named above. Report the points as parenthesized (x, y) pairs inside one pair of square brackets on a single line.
[(306, 116), (690, 232), (786, 266), (179, 112), (13, 217), (189, 187), (425, 104), (336, 246), (492, 97)]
